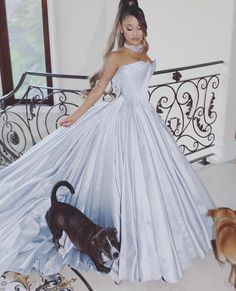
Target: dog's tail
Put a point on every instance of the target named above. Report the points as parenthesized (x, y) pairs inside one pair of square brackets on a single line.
[(55, 188)]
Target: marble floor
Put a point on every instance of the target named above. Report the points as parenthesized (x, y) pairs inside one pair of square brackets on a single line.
[(204, 275)]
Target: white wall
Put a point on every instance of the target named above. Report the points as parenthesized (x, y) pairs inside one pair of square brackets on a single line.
[(80, 28), (228, 142), (181, 33), (189, 31)]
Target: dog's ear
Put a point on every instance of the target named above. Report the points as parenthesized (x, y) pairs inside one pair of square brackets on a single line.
[(93, 241), (211, 212), (114, 230)]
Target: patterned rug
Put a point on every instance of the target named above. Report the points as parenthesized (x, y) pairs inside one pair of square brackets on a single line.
[(67, 280)]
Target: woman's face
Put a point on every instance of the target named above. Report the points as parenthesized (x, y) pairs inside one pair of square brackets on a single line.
[(131, 30)]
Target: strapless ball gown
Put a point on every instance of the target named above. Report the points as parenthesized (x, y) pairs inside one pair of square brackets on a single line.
[(127, 172)]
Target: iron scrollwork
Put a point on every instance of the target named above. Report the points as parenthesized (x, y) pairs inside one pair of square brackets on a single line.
[(186, 107), (23, 124)]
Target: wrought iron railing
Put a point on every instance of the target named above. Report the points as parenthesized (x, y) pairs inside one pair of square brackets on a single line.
[(185, 105)]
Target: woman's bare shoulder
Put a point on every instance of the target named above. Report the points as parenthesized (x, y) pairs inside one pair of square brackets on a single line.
[(123, 57), (117, 57)]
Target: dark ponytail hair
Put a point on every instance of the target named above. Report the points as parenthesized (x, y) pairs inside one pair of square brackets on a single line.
[(131, 8), (126, 8)]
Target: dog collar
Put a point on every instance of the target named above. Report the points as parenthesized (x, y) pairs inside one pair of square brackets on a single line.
[(217, 220), (95, 233)]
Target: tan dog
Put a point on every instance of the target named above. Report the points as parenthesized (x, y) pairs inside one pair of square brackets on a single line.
[(225, 229)]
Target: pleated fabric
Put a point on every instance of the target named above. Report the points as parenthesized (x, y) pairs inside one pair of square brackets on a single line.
[(127, 172)]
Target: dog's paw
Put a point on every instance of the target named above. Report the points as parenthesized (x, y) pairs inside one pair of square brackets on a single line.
[(57, 244), (231, 284), (221, 263), (221, 258), (61, 242), (106, 270), (62, 251), (103, 269)]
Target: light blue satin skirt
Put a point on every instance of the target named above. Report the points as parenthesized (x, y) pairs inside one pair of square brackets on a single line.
[(128, 173)]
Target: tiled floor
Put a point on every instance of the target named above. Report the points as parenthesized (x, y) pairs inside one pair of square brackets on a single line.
[(204, 275)]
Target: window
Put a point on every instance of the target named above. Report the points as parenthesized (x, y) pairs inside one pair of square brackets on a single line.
[(24, 42)]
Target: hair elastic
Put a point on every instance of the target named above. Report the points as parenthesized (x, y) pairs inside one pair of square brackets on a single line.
[(132, 3)]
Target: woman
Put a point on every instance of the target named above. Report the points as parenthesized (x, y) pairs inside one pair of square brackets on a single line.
[(126, 168)]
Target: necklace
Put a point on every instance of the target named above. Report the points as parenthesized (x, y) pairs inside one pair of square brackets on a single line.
[(134, 48)]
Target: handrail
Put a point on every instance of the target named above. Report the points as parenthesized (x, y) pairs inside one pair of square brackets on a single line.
[(188, 67), (186, 106), (65, 76), (84, 77), (40, 74)]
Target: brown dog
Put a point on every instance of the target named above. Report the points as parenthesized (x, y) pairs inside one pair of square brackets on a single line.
[(98, 242), (225, 229)]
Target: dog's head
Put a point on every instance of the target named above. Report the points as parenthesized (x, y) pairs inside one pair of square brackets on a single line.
[(106, 243), (221, 213)]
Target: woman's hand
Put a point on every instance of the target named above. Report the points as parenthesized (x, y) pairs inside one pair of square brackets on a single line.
[(68, 121)]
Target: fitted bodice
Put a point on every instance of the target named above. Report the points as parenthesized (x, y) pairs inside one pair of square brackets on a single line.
[(132, 80)]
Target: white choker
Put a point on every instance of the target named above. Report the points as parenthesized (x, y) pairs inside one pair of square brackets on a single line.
[(134, 48)]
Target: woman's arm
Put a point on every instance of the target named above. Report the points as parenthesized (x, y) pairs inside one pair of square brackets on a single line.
[(110, 67)]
